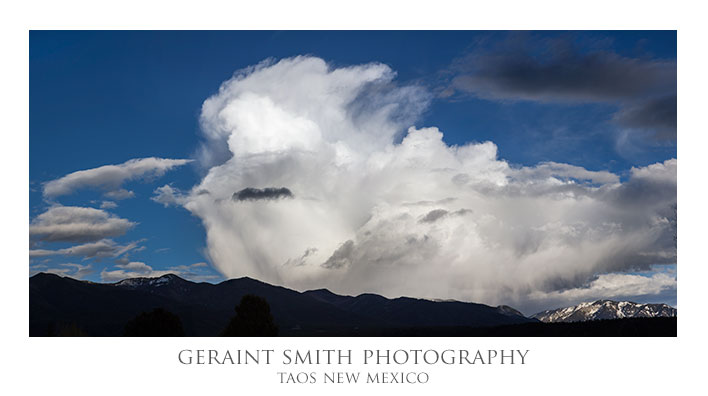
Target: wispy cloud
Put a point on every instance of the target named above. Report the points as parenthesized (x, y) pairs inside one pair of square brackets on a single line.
[(110, 178), (101, 249)]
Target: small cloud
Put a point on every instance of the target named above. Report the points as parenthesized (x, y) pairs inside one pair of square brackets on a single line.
[(77, 224), (434, 215), (341, 257), (122, 260), (78, 271), (119, 194), (108, 205), (268, 193), (302, 260), (168, 196)]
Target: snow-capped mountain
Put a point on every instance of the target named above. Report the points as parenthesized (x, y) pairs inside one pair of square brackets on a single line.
[(144, 282), (605, 309)]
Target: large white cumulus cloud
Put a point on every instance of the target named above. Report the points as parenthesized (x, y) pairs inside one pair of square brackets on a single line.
[(375, 205)]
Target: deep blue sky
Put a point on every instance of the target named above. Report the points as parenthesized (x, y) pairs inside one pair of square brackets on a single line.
[(99, 98)]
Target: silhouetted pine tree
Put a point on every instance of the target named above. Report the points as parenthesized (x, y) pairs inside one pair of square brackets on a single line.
[(253, 319), (65, 330), (71, 330), (156, 323)]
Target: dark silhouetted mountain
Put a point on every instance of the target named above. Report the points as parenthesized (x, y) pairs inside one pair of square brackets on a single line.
[(605, 309), (103, 309), (414, 312)]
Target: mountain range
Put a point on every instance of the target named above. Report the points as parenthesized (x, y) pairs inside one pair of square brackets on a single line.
[(103, 309), (605, 309), (204, 309)]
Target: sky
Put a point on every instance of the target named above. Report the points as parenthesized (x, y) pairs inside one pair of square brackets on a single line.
[(533, 169)]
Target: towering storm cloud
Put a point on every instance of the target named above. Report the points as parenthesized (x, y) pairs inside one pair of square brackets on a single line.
[(316, 178)]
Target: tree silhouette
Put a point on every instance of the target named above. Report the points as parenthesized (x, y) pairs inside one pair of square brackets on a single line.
[(253, 319), (71, 330), (156, 323), (65, 330)]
